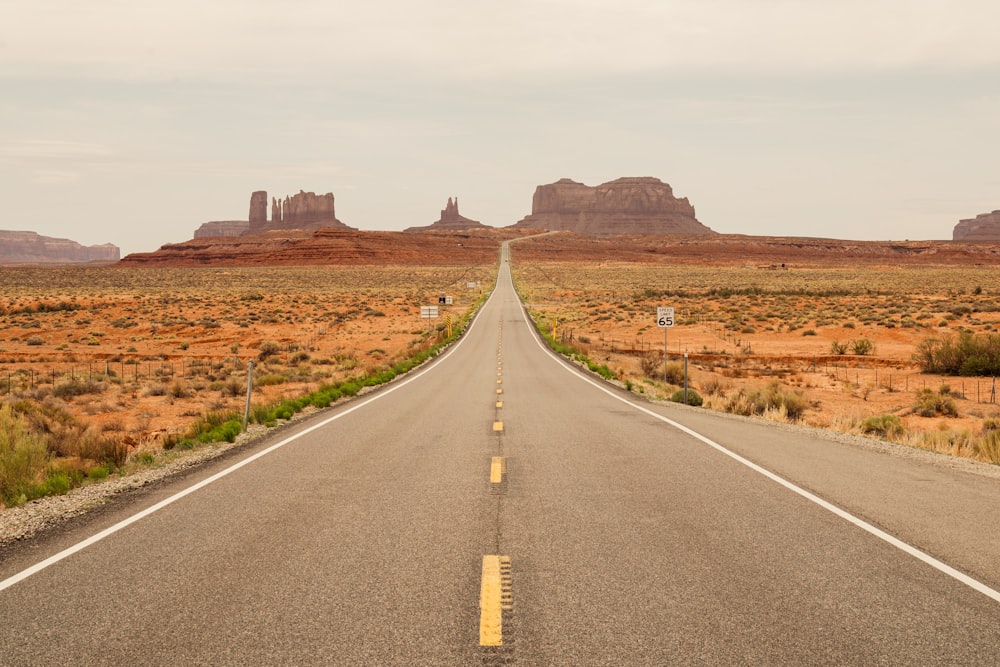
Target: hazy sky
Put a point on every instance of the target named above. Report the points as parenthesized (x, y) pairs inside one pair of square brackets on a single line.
[(134, 121)]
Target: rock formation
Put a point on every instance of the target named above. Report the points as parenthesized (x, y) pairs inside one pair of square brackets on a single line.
[(984, 227), (306, 210), (258, 211), (275, 209), (32, 248), (624, 206), (450, 220), (222, 228)]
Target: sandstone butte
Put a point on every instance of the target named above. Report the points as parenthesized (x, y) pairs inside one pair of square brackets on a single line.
[(18, 247), (450, 221), (303, 211), (635, 205), (984, 227)]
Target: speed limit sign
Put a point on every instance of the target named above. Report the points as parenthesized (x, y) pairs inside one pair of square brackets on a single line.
[(665, 316)]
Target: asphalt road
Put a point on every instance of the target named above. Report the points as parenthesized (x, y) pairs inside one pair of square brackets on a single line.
[(628, 534)]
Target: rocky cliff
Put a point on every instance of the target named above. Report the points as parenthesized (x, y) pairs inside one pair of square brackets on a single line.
[(222, 228), (984, 227), (450, 220), (641, 205), (32, 248), (306, 210)]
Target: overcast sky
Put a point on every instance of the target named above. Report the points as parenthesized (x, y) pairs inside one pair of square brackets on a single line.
[(134, 121)]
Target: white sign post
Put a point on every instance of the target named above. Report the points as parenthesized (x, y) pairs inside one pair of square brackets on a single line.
[(665, 320), (428, 313)]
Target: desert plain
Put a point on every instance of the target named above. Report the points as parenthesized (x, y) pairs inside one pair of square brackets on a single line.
[(135, 357)]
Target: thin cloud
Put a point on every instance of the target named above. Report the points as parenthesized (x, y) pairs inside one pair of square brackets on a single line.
[(309, 39), (54, 177), (53, 149)]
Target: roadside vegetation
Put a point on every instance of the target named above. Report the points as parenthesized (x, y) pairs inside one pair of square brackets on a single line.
[(107, 370), (868, 350)]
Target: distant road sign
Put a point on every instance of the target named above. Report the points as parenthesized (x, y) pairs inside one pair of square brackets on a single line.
[(428, 312), (665, 316)]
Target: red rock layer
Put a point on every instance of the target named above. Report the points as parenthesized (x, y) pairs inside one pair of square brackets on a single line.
[(330, 246)]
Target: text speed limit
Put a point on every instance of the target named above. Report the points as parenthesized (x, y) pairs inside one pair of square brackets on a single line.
[(664, 316)]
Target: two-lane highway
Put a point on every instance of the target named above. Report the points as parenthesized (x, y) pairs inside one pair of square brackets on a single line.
[(499, 508)]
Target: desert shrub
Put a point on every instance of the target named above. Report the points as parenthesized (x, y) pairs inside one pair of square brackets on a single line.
[(88, 444), (156, 390), (34, 340), (964, 354), (771, 398), (991, 424), (862, 346), (837, 347), (886, 426), (809, 332), (651, 364), (23, 457), (215, 427), (270, 379), (600, 369), (56, 484), (178, 390), (713, 386), (268, 348), (693, 397), (931, 403), (233, 387), (652, 367), (987, 446), (76, 388)]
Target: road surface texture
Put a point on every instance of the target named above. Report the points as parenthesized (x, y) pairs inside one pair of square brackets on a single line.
[(499, 508)]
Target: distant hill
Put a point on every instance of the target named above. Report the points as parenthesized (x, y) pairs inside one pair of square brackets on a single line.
[(31, 248)]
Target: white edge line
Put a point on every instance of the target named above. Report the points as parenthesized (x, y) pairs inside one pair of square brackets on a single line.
[(97, 537), (847, 516)]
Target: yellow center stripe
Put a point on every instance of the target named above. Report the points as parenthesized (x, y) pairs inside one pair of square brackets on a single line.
[(497, 467), (498, 426), (494, 597)]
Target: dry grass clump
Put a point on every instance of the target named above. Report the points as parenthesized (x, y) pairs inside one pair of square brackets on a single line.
[(772, 402), (45, 450)]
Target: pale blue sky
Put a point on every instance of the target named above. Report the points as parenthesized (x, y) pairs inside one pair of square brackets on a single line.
[(133, 121)]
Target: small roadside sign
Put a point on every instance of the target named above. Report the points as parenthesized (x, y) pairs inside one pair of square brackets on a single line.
[(428, 312), (665, 316)]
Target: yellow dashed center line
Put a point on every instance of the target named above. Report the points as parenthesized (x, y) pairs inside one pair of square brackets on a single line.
[(497, 427), (498, 466), (499, 404), (494, 598)]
